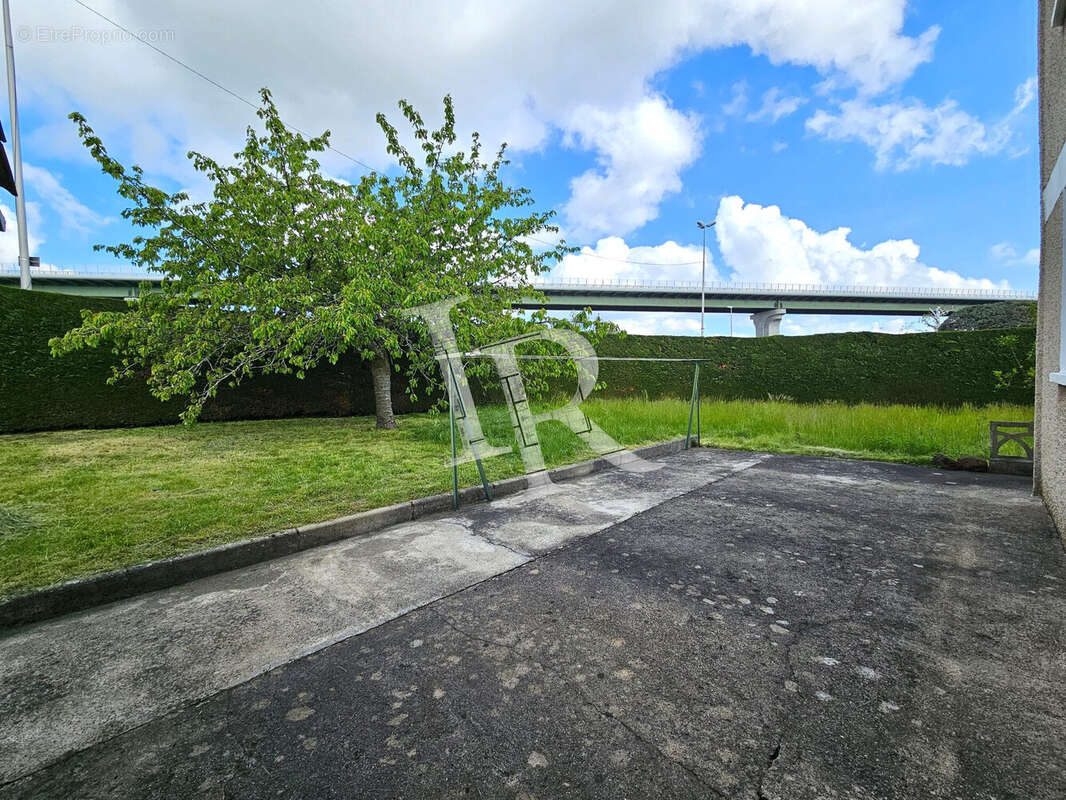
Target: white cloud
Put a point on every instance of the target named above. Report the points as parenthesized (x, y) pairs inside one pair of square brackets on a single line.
[(650, 324), (518, 71), (761, 244), (643, 149), (906, 134), (808, 324), (775, 105), (9, 239), (1006, 253), (613, 260), (73, 214), (739, 101)]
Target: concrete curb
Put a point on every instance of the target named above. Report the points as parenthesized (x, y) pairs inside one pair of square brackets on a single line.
[(107, 587)]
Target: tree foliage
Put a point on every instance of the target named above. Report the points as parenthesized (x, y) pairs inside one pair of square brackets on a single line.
[(284, 267), (991, 316)]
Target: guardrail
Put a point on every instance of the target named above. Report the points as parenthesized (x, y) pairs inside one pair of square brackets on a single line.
[(789, 288), (86, 272)]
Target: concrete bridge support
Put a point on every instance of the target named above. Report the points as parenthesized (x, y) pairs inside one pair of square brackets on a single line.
[(768, 323)]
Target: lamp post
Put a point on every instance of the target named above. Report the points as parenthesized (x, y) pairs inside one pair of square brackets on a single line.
[(25, 281), (703, 226)]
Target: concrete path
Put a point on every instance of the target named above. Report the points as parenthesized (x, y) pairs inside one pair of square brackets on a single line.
[(68, 683), (788, 628)]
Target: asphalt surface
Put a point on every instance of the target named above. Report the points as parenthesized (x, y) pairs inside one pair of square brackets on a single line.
[(802, 628)]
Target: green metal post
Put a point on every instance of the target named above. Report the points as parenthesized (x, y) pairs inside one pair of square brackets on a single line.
[(451, 429), (453, 391), (699, 428), (693, 406)]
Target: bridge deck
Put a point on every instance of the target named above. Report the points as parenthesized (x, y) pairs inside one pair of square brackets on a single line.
[(658, 296)]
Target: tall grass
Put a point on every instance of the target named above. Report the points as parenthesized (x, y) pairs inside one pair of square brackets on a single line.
[(878, 432)]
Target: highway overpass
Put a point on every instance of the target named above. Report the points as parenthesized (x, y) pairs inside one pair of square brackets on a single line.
[(766, 302)]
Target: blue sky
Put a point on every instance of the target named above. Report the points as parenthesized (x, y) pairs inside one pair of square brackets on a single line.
[(911, 124)]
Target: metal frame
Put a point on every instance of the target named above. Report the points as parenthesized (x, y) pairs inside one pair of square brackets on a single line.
[(453, 395), (1051, 196), (694, 408)]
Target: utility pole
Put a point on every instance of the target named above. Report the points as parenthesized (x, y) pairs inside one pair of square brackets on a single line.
[(25, 281), (703, 226)]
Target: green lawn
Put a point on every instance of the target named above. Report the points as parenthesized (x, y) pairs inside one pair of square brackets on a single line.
[(79, 502)]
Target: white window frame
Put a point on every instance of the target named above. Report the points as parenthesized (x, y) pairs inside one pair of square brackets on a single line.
[(1053, 193), (1060, 376)]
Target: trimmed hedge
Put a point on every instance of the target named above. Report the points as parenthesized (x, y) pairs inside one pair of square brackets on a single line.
[(949, 368), (38, 392)]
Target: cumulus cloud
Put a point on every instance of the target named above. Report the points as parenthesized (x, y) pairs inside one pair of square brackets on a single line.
[(808, 324), (759, 243), (518, 72), (906, 134), (642, 150), (614, 260), (650, 324), (9, 239)]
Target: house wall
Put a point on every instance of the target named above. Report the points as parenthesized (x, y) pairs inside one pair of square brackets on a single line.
[(1050, 469)]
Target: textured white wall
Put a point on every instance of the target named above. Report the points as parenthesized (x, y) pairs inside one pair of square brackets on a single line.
[(1050, 474)]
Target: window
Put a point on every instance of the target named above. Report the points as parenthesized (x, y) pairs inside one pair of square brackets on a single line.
[(1053, 195), (1060, 376), (1058, 14)]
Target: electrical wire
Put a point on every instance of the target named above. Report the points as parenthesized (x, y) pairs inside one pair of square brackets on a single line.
[(341, 153), (213, 82)]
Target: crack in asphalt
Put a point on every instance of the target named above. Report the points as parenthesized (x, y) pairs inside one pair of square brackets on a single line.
[(794, 639)]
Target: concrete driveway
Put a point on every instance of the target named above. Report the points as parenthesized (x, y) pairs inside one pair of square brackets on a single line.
[(769, 627)]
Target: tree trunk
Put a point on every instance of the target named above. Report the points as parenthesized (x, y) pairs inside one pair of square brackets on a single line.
[(381, 371)]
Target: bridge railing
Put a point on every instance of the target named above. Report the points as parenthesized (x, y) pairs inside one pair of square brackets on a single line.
[(719, 287), (85, 272)]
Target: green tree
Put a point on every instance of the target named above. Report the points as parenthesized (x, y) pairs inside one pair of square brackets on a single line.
[(991, 316), (285, 268)]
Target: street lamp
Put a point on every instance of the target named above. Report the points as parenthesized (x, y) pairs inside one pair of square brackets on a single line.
[(703, 226), (25, 281)]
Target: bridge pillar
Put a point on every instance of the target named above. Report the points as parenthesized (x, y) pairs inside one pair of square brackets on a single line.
[(768, 323)]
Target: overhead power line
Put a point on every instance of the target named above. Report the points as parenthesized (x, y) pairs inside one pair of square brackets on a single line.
[(212, 81), (341, 153)]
